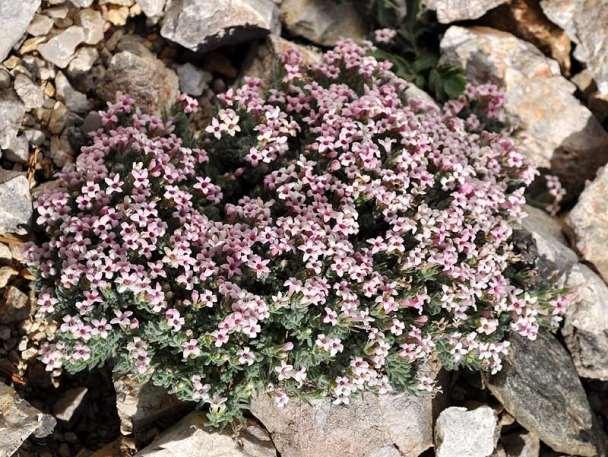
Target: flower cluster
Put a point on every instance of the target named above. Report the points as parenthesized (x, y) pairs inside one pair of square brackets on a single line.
[(557, 193), (325, 236)]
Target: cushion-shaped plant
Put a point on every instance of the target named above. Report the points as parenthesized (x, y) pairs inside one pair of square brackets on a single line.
[(322, 236)]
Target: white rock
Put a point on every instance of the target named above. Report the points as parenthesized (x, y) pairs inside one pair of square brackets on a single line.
[(15, 202), (18, 150), (463, 433), (152, 8), (30, 93), (15, 16), (555, 131), (82, 3), (60, 49), (66, 406), (201, 25), (191, 438), (192, 80), (93, 24), (40, 25), (83, 61), (461, 10)]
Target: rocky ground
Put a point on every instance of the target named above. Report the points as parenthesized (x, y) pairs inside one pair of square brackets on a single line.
[(61, 59)]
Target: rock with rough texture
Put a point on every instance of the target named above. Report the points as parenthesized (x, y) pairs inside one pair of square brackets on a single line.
[(141, 75), (93, 24), (192, 80), (463, 433), (588, 223), (18, 150), (585, 23), (525, 19), (370, 426), (66, 406), (30, 93), (152, 8), (586, 323), (263, 60), (140, 405), (60, 49), (192, 438), (556, 131), (518, 444), (461, 10), (15, 16), (74, 100), (323, 22), (552, 246), (83, 61), (40, 25), (18, 420), (14, 306), (15, 202), (539, 386), (12, 111), (202, 25)]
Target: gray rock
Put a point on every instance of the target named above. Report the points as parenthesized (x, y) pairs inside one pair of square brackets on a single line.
[(191, 437), (586, 323), (461, 10), (552, 246), (201, 25), (40, 25), (14, 19), (463, 433), (556, 131), (18, 150), (34, 136), (74, 100), (93, 24), (18, 420), (539, 386), (83, 61), (263, 59), (5, 79), (585, 23), (588, 223), (66, 406), (323, 22), (152, 8), (30, 93), (521, 444), (14, 307), (12, 112), (146, 78), (82, 3), (60, 49), (140, 405), (192, 80), (15, 202), (370, 426), (58, 12)]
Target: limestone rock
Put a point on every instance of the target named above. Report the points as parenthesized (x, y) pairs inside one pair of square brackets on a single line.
[(190, 437), (585, 23), (12, 111), (83, 61), (552, 246), (192, 80), (74, 100), (152, 8), (586, 323), (18, 420), (323, 22), (201, 25), (93, 24), (82, 3), (370, 426), (460, 10), (588, 223), (29, 92), (556, 131), (14, 20), (539, 386), (463, 433), (60, 49), (15, 202), (17, 150), (526, 20), (40, 25), (146, 78), (262, 61), (140, 405)]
